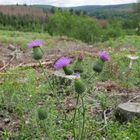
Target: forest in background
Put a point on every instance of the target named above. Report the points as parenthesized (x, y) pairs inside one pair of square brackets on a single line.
[(78, 22)]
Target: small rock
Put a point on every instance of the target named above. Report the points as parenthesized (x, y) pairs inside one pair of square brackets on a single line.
[(6, 120), (19, 55), (40, 103), (11, 47), (70, 104)]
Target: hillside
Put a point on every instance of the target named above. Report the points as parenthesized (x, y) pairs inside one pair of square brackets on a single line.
[(97, 10), (92, 8), (39, 11), (19, 10), (39, 102)]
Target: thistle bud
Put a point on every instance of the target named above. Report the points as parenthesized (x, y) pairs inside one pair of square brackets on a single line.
[(42, 114), (78, 66), (98, 66), (37, 53), (68, 70), (79, 85)]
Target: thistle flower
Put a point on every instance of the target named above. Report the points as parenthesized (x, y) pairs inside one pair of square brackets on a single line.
[(37, 51), (36, 43), (62, 62), (104, 56)]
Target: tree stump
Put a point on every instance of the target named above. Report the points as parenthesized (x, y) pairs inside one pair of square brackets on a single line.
[(127, 111)]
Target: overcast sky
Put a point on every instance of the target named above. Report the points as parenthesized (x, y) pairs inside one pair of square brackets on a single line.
[(61, 3)]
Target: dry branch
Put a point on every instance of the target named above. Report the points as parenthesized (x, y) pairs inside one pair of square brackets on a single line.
[(7, 63), (35, 64)]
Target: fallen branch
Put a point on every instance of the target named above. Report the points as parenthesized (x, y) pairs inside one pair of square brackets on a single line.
[(35, 64), (7, 63), (125, 94)]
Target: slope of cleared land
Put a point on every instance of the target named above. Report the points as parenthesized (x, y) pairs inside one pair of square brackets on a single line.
[(24, 88)]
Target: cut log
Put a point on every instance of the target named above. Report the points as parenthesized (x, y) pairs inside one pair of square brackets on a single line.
[(61, 79), (127, 111), (63, 75)]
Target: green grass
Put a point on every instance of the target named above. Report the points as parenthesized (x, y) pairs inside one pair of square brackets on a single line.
[(126, 42), (23, 38), (24, 91)]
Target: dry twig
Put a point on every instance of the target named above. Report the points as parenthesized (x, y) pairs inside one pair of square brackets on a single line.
[(7, 63)]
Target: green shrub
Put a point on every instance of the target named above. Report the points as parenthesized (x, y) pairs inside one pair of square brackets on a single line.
[(80, 27)]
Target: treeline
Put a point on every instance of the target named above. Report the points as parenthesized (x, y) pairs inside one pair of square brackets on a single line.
[(22, 18), (73, 24), (21, 23), (126, 20)]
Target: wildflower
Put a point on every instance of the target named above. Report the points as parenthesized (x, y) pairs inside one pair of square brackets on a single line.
[(36, 43), (63, 63), (79, 85), (104, 56), (37, 51), (98, 66)]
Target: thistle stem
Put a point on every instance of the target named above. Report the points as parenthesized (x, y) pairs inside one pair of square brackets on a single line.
[(52, 88), (83, 123), (74, 117), (90, 77)]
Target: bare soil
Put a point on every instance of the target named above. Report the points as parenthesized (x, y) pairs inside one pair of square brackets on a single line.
[(61, 47)]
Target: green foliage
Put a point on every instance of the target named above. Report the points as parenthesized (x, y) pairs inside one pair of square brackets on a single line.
[(98, 66), (42, 113), (78, 66), (68, 70), (79, 86), (80, 27), (37, 53)]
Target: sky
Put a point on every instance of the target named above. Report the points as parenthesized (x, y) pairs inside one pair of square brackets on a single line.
[(66, 3)]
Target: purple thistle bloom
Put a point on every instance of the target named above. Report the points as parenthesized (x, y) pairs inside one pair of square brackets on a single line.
[(77, 75), (36, 43), (104, 56), (62, 62)]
